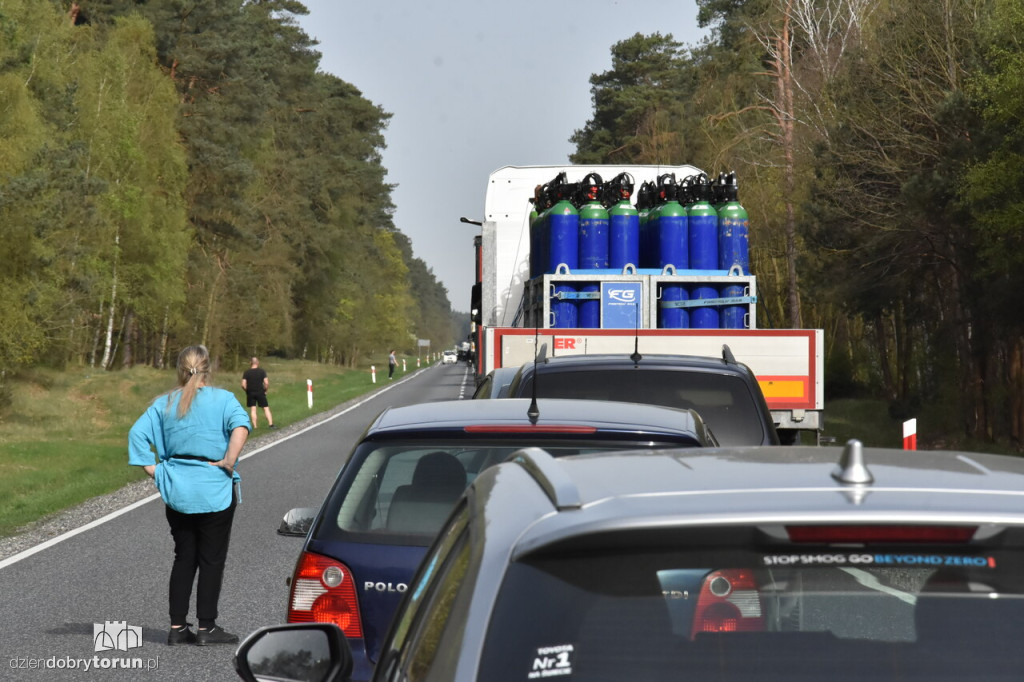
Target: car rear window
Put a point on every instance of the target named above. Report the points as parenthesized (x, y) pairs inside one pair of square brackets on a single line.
[(724, 402), (410, 488), (888, 613)]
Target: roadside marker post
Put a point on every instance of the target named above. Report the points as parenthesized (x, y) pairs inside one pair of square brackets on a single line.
[(910, 434), (373, 374), (309, 393)]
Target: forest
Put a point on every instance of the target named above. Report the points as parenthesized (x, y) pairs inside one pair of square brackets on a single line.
[(879, 148), (173, 171)]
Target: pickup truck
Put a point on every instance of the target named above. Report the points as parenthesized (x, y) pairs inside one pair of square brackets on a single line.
[(723, 391)]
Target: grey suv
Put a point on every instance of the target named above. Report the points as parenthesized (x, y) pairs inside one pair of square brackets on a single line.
[(723, 391)]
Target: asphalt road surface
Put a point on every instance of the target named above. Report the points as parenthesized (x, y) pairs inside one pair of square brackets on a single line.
[(52, 601)]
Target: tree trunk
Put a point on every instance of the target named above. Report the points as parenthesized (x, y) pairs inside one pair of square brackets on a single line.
[(129, 335), (882, 348), (1016, 391), (109, 340)]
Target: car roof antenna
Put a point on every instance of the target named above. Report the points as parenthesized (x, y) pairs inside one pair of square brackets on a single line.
[(636, 357), (534, 412), (727, 355)]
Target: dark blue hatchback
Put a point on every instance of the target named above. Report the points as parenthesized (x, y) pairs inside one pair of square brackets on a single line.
[(403, 478)]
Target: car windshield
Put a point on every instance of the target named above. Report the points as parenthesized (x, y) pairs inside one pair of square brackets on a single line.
[(724, 615), (724, 402), (409, 488)]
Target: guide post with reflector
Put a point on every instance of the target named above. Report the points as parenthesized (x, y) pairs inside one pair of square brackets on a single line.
[(910, 434), (309, 393)]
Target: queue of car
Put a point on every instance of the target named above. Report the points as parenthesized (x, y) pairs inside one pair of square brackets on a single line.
[(600, 540)]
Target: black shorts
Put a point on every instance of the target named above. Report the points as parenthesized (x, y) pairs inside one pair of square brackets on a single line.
[(252, 400)]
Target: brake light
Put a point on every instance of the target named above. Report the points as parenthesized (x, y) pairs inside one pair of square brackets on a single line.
[(729, 601), (529, 428), (323, 591), (902, 534)]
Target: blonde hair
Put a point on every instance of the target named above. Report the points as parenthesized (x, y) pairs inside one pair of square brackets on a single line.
[(193, 372)]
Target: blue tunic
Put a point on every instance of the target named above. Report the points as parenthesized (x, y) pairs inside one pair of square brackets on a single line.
[(187, 485)]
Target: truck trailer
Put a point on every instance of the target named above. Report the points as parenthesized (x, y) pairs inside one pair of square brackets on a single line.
[(541, 291)]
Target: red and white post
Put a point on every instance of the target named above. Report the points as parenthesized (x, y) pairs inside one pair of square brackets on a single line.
[(309, 393), (910, 434), (373, 374)]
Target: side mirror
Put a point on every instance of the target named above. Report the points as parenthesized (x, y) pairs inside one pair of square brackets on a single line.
[(297, 521), (298, 652)]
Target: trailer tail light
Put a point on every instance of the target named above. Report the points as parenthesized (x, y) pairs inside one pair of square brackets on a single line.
[(729, 601), (880, 534), (323, 591)]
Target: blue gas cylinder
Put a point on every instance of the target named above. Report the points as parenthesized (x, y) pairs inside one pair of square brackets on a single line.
[(703, 241), (593, 245), (733, 250)]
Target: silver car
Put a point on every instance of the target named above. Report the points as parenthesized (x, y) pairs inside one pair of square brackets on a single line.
[(762, 563)]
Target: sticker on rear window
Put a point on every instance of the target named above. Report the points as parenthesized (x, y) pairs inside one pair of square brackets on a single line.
[(879, 559), (552, 661)]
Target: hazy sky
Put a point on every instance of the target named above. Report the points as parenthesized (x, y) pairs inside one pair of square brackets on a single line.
[(474, 85)]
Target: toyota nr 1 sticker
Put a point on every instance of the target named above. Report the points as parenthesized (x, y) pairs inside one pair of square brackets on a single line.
[(552, 661)]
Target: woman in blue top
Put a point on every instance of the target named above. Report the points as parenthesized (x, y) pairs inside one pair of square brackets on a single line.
[(197, 431)]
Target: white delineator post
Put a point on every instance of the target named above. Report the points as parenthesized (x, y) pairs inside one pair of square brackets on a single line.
[(403, 365), (373, 374), (309, 393), (910, 434)]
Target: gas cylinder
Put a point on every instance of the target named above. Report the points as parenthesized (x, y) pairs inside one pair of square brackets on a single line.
[(623, 223), (733, 249), (672, 250), (703, 242), (644, 205), (538, 215), (671, 226), (563, 249), (593, 244)]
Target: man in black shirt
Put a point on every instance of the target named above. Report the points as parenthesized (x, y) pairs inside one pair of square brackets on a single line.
[(255, 384)]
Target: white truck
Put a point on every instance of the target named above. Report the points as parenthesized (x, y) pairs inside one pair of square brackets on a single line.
[(512, 310)]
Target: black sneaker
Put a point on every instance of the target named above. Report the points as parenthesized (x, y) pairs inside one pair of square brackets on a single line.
[(272, 426), (182, 636), (215, 635)]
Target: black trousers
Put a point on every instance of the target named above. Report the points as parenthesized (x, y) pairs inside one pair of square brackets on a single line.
[(200, 544)]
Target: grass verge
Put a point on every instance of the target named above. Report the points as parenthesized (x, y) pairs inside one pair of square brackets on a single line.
[(64, 438)]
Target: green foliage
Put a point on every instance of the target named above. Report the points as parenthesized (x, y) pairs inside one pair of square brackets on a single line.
[(888, 175), (993, 183), (179, 172), (638, 112)]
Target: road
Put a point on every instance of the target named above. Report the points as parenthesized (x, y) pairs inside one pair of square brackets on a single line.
[(117, 571)]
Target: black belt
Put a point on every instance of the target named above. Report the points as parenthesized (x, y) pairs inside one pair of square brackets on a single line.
[(201, 459)]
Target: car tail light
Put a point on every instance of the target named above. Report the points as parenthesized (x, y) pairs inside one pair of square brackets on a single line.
[(729, 601), (901, 534), (323, 591)]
